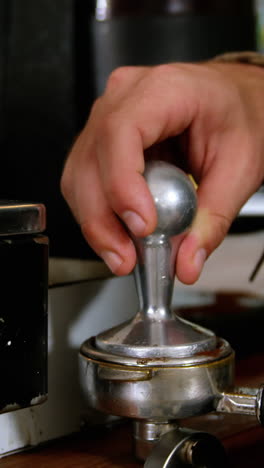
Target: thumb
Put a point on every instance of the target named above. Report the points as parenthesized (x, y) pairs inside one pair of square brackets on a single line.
[(221, 194)]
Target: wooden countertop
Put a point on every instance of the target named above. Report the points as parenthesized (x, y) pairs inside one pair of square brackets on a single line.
[(93, 449), (113, 449)]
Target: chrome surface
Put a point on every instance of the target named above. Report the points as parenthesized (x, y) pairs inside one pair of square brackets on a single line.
[(183, 447), (242, 400), (222, 350), (102, 10), (156, 393), (159, 368), (156, 332), (260, 405), (174, 196), (149, 430), (146, 434), (21, 218), (174, 338)]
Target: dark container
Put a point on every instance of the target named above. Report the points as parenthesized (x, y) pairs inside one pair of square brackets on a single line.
[(23, 305)]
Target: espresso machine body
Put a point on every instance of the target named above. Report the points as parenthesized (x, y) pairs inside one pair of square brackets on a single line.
[(134, 32)]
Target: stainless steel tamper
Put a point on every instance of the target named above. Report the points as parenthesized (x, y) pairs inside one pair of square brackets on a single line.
[(158, 368), (156, 332)]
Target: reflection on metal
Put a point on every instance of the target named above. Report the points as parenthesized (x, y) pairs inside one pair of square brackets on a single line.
[(161, 390), (183, 447), (102, 10), (158, 368), (155, 331), (243, 401), (21, 218)]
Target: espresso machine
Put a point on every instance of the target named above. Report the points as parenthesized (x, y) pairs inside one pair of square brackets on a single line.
[(159, 368)]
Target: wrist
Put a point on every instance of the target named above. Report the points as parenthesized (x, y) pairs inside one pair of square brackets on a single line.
[(246, 57)]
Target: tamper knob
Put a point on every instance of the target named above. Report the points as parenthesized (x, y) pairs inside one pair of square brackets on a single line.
[(174, 197), (156, 332)]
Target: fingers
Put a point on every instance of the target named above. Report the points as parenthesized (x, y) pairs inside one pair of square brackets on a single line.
[(221, 195), (98, 222), (140, 119), (136, 111), (121, 162), (121, 80), (103, 178), (107, 160)]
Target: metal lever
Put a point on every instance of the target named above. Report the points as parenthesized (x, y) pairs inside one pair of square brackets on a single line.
[(182, 447), (243, 400)]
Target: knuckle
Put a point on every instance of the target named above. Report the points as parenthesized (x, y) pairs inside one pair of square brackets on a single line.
[(117, 77), (166, 77), (162, 72)]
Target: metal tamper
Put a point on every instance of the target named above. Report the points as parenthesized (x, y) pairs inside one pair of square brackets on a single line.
[(158, 368)]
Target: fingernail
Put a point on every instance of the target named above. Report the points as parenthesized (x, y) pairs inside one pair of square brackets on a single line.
[(112, 260), (134, 222), (199, 259)]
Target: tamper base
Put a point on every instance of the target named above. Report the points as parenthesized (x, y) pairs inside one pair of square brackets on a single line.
[(156, 339)]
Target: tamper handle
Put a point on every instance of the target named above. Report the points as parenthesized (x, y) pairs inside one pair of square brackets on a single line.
[(156, 332), (175, 201)]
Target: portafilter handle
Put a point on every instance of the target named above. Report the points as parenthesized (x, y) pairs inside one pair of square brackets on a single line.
[(176, 203)]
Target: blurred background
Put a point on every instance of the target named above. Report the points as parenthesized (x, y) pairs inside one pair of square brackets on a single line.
[(54, 60)]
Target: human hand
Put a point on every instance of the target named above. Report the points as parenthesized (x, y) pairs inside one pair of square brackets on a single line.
[(216, 112)]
